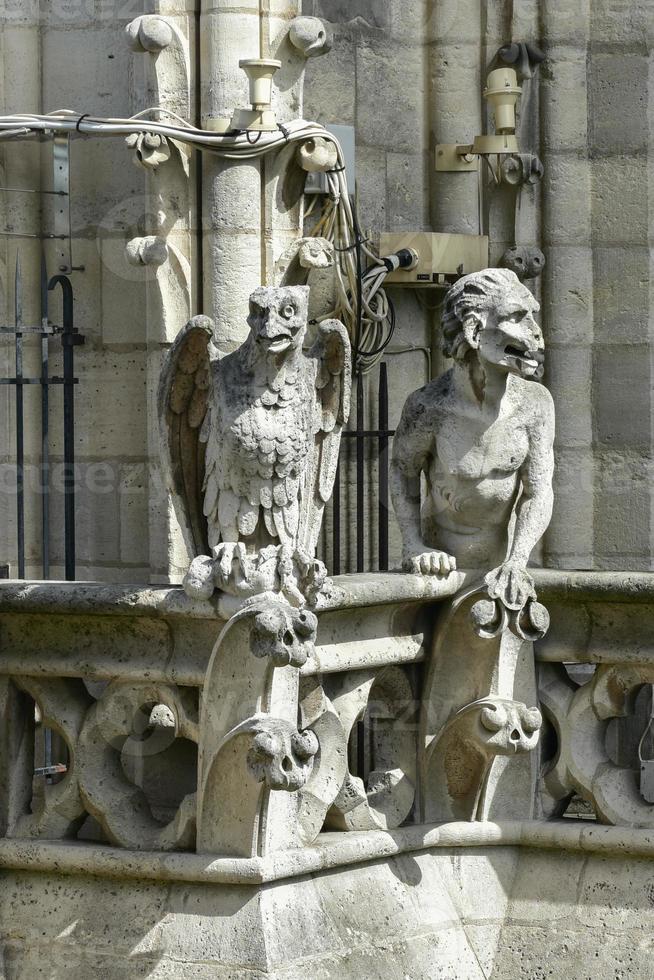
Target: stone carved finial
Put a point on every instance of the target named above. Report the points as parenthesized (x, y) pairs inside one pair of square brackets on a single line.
[(281, 757), (490, 617), (252, 441), (149, 250), (482, 434), (317, 155), (150, 149)]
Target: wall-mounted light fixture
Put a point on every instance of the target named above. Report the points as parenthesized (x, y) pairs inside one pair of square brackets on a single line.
[(260, 117), (502, 91)]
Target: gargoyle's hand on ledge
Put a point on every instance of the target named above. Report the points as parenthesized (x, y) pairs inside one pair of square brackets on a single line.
[(429, 562), (511, 584)]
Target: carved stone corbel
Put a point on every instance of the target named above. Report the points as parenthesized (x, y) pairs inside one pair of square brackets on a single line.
[(463, 763), (477, 660), (250, 743)]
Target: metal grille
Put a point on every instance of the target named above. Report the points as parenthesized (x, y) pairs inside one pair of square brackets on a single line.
[(368, 443), (69, 338)]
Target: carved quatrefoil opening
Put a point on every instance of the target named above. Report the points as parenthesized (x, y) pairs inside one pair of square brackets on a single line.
[(138, 764), (606, 743), (379, 788), (630, 740), (159, 760)]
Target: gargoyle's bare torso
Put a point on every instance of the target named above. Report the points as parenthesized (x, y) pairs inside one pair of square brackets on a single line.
[(472, 461)]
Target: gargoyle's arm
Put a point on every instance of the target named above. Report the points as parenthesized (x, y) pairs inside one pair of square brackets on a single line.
[(412, 447), (534, 508), (405, 494)]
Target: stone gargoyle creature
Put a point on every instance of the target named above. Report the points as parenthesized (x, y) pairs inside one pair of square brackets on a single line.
[(482, 436), (252, 440)]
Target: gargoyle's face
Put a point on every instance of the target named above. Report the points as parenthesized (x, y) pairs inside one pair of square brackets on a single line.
[(511, 339), (278, 318)]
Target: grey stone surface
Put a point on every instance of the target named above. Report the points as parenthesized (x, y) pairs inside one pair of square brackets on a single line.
[(459, 915), (622, 395)]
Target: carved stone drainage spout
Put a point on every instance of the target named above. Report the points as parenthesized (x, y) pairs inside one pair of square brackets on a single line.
[(461, 766), (477, 729)]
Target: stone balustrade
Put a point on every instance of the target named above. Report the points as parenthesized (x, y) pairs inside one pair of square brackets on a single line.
[(175, 719), (259, 736), (236, 782)]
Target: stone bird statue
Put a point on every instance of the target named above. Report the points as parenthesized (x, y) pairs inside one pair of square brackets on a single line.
[(251, 441)]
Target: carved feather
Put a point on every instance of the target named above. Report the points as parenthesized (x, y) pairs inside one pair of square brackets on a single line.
[(248, 518), (269, 522), (331, 355), (183, 400)]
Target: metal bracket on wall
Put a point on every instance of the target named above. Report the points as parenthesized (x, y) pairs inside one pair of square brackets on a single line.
[(61, 232), (61, 187), (455, 158)]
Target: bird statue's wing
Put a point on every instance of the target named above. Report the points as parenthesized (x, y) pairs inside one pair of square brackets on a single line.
[(333, 381), (183, 399)]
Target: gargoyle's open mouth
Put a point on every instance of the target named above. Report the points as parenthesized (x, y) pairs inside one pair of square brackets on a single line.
[(524, 358), (277, 343)]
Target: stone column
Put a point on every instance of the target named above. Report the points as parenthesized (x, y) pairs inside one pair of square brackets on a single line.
[(454, 109), (621, 153), (245, 226), (568, 279)]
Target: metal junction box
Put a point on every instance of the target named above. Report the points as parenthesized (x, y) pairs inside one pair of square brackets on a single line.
[(442, 258)]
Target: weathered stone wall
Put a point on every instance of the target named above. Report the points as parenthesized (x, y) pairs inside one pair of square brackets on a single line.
[(75, 56), (463, 914), (403, 73), (597, 149), (406, 75)]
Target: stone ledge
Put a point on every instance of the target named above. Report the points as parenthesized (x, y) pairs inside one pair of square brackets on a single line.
[(349, 591), (554, 583), (95, 598), (332, 850)]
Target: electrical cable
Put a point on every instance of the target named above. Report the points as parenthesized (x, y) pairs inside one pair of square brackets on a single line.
[(361, 301)]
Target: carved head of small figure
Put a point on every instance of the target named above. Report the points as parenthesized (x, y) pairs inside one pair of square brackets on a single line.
[(508, 727), (283, 634), (489, 315), (278, 318), (282, 757)]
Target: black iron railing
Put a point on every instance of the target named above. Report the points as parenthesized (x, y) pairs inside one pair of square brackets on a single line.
[(69, 337), (378, 441)]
